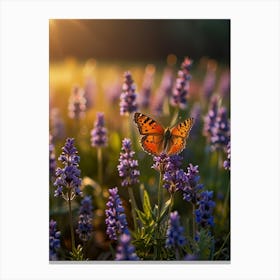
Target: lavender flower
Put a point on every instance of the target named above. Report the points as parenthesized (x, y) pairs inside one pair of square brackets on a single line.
[(146, 90), (204, 213), (167, 81), (210, 119), (112, 91), (175, 232), (57, 127), (52, 164), (85, 219), (179, 96), (227, 161), (89, 92), (192, 189), (77, 103), (125, 250), (99, 133), (68, 179), (196, 115), (127, 165), (128, 103), (116, 219), (54, 241), (224, 85), (209, 83), (174, 178), (221, 130), (157, 102)]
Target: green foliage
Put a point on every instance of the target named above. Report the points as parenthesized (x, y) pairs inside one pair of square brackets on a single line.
[(77, 254)]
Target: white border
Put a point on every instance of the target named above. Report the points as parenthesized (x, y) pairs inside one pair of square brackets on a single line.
[(255, 138)]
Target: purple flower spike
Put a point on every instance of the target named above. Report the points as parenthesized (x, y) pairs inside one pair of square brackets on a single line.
[(125, 250), (174, 178), (99, 133), (128, 167), (192, 189), (221, 130), (68, 179), (179, 96), (204, 213), (54, 241), (52, 164), (77, 103), (210, 119), (128, 102), (146, 90), (227, 161), (116, 219), (85, 219), (175, 232)]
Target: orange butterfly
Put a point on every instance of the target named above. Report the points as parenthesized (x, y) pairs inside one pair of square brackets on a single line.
[(156, 139)]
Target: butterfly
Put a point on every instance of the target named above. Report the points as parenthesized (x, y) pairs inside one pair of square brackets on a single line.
[(156, 139)]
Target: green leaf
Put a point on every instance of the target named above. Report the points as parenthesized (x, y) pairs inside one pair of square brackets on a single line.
[(147, 205), (164, 210)]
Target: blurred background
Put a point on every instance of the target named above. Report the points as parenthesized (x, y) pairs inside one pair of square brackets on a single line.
[(139, 39)]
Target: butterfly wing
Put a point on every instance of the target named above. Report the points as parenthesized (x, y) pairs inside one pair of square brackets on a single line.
[(153, 144), (152, 141), (179, 135), (147, 125)]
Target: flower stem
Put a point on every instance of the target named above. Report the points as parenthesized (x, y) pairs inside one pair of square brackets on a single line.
[(100, 166), (158, 216), (133, 206), (160, 192), (71, 222), (194, 225)]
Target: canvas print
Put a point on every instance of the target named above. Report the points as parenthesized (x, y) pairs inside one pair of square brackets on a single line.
[(139, 140)]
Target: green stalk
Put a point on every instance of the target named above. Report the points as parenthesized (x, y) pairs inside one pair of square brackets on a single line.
[(133, 206), (100, 165), (160, 192), (158, 216), (70, 221), (194, 224)]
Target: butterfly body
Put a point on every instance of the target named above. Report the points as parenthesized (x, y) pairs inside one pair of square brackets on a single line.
[(157, 140)]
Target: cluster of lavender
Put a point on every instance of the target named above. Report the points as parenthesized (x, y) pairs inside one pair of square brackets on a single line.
[(116, 218), (224, 85), (77, 103), (128, 166), (227, 161), (145, 93), (68, 179), (112, 91), (52, 163), (54, 241), (176, 179), (128, 102), (196, 115), (84, 229), (125, 250), (89, 92), (209, 81), (175, 232), (216, 125), (164, 90), (192, 189), (179, 96), (99, 132), (57, 127), (204, 213)]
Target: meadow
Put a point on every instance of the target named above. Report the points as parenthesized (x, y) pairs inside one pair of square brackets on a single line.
[(110, 199)]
